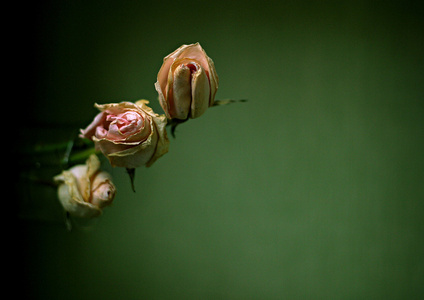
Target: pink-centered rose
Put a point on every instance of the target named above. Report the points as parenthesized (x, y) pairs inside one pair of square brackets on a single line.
[(187, 82), (129, 134), (84, 190)]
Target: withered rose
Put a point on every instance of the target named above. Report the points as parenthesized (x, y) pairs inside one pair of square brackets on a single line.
[(187, 82), (84, 190), (129, 134)]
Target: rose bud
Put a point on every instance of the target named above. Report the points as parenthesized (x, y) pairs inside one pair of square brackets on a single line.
[(84, 190), (129, 134), (187, 82)]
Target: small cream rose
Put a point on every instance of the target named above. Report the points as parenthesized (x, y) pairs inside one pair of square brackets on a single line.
[(129, 134), (84, 190), (187, 82)]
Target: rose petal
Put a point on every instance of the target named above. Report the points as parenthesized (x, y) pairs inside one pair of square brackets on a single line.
[(162, 145), (91, 129), (213, 80), (136, 156), (200, 93), (196, 52), (103, 191), (182, 92), (103, 195)]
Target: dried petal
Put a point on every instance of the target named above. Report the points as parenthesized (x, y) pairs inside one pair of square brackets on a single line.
[(200, 93), (182, 92)]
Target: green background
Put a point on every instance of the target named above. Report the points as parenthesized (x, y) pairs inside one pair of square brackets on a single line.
[(313, 189)]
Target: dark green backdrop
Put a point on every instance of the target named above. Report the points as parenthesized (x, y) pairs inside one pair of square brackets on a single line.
[(313, 189)]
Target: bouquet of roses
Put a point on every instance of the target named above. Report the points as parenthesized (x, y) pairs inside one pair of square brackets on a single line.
[(132, 135)]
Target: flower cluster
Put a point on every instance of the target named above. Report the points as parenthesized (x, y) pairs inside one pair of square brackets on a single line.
[(132, 135)]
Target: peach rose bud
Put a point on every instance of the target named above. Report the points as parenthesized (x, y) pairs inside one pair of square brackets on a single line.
[(84, 190), (187, 82)]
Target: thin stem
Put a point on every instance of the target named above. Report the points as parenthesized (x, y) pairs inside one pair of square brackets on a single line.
[(82, 155), (227, 101), (174, 123), (42, 181)]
